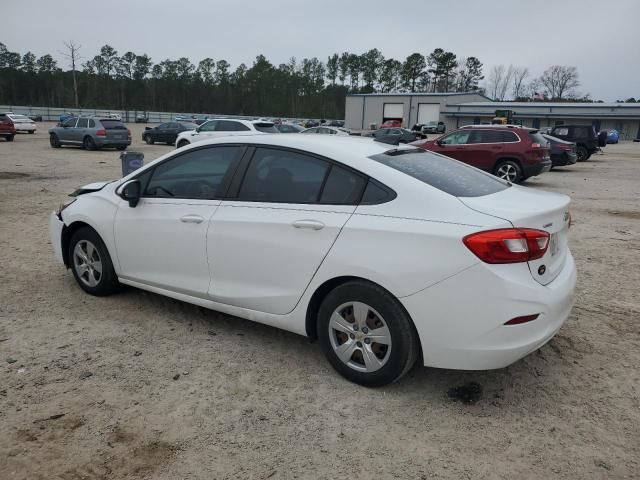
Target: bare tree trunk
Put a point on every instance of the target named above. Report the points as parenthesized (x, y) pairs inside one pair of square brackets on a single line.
[(73, 56)]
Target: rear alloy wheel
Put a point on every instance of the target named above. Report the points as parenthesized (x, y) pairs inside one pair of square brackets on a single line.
[(366, 334), (91, 263), (148, 139), (88, 143), (582, 154), (509, 170)]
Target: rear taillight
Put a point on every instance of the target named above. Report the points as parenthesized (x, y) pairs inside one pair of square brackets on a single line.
[(101, 133), (508, 245), (536, 145)]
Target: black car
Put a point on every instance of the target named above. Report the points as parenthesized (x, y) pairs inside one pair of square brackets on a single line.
[(584, 136), (166, 132), (311, 124), (393, 135), (35, 118), (562, 153), (142, 118)]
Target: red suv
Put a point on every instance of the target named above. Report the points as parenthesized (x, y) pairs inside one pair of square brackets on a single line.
[(513, 153), (7, 129)]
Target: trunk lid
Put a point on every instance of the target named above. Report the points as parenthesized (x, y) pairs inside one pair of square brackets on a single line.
[(525, 207)]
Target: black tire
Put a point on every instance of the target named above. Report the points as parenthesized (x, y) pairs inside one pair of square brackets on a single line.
[(54, 141), (88, 143), (121, 147), (32, 132), (108, 281), (509, 170), (582, 154), (182, 143), (404, 347), (148, 140), (9, 138)]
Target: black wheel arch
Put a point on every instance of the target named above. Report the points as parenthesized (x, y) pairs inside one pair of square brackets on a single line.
[(67, 234)]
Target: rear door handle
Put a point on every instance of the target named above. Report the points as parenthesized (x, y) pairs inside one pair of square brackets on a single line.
[(312, 224), (192, 219)]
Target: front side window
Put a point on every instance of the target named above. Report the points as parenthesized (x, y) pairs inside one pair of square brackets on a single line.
[(197, 174), (70, 123), (444, 173), (456, 138), (281, 176), (163, 126), (230, 126)]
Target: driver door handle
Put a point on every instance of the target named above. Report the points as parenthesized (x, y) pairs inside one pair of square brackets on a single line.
[(192, 219), (312, 224)]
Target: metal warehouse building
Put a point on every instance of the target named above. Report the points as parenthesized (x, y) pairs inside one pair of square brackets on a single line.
[(363, 110), (457, 109)]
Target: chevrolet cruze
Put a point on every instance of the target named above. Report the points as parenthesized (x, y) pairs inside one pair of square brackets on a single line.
[(383, 254)]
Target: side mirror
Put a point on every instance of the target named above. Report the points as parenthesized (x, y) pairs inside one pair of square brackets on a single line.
[(130, 192)]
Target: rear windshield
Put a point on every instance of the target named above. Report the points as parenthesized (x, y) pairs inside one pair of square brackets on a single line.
[(266, 127), (444, 173), (537, 137), (112, 124)]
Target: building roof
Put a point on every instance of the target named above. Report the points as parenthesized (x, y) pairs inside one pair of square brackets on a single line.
[(545, 105), (418, 94)]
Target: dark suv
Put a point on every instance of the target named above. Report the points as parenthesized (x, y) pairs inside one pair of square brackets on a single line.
[(584, 136), (510, 152)]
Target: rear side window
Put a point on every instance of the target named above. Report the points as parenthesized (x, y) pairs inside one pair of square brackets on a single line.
[(508, 136), (266, 127), (92, 123), (343, 187), (443, 173), (537, 137), (112, 124), (280, 176), (230, 126)]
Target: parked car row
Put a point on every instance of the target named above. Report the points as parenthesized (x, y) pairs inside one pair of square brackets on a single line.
[(13, 123)]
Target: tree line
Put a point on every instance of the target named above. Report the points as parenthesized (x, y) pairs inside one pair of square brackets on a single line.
[(299, 88)]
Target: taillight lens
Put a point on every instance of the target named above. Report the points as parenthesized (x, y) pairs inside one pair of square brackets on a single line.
[(508, 245), (536, 145), (101, 133)]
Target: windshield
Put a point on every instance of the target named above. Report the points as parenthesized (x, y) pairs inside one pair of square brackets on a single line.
[(444, 173)]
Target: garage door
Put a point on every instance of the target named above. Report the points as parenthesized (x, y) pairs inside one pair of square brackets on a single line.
[(393, 111), (428, 112)]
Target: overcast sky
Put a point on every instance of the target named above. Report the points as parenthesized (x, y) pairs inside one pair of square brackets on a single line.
[(600, 38)]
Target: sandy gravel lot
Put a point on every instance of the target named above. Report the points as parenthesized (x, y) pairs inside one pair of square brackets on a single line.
[(89, 387)]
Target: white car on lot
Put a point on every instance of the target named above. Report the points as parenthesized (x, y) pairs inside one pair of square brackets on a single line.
[(224, 127), (327, 131), (22, 123), (383, 254)]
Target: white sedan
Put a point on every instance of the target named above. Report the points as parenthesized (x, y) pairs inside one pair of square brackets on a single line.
[(327, 131), (224, 127), (385, 255), (22, 123)]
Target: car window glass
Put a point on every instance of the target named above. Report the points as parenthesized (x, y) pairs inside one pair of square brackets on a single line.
[(343, 187), (208, 126), (509, 137), (375, 193), (456, 138), (485, 136), (230, 126), (163, 126), (444, 173), (83, 123), (112, 124), (283, 176), (265, 127), (70, 123), (561, 131), (196, 174), (92, 123)]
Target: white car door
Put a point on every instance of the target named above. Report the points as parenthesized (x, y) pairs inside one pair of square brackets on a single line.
[(265, 245), (162, 241)]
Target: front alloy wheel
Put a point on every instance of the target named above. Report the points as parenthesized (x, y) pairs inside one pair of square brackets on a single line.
[(87, 263)]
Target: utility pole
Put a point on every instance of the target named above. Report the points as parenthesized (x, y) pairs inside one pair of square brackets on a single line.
[(73, 49)]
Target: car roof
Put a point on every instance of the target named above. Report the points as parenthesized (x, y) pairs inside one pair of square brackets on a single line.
[(521, 127)]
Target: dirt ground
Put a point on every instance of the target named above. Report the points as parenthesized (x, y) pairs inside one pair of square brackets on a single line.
[(141, 386)]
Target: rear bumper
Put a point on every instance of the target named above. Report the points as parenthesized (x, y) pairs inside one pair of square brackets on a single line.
[(533, 169), (107, 142), (460, 321), (562, 159), (25, 128), (55, 235)]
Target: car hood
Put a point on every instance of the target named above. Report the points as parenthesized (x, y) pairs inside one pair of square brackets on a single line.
[(91, 187)]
